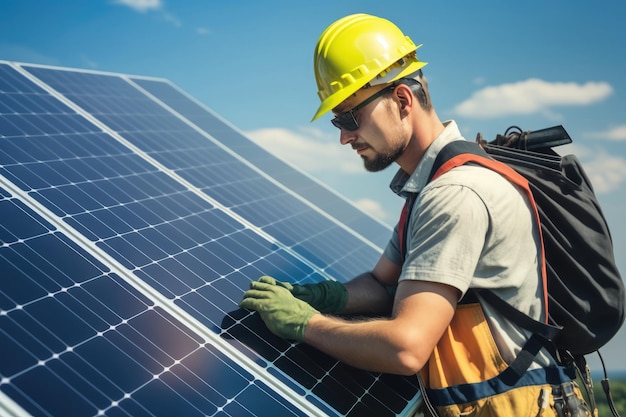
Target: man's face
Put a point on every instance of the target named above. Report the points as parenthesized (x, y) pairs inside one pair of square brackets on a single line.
[(380, 137)]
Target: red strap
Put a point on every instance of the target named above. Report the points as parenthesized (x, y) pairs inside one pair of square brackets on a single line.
[(404, 216), (517, 179)]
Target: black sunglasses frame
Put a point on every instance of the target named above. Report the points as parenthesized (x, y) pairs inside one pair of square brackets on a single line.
[(347, 121)]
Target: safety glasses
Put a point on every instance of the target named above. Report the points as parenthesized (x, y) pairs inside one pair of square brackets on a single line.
[(347, 121)]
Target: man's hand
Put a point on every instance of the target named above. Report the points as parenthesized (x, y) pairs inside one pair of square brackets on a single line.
[(285, 315)]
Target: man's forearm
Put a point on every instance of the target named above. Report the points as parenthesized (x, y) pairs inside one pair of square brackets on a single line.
[(366, 295), (375, 345)]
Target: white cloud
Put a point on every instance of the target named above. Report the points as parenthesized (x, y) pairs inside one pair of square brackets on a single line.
[(170, 18), (531, 96), (140, 5), (617, 133), (19, 53), (143, 6), (319, 153), (308, 150), (202, 31), (371, 207), (478, 80), (87, 62), (606, 172)]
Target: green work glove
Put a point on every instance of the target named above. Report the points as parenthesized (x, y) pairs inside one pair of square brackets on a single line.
[(326, 296), (283, 314)]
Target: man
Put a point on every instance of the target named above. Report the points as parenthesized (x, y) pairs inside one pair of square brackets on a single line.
[(468, 229)]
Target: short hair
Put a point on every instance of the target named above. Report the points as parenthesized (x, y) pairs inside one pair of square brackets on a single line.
[(418, 84)]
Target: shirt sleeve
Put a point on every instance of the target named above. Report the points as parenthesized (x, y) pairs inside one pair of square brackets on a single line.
[(392, 251), (447, 232)]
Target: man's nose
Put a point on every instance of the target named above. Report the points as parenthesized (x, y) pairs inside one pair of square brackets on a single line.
[(347, 136)]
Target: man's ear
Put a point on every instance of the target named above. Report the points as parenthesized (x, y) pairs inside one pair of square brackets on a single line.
[(406, 99)]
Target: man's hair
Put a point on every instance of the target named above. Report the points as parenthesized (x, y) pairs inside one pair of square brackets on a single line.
[(419, 85)]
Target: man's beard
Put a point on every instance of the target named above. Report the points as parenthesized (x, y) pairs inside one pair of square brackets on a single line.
[(382, 159)]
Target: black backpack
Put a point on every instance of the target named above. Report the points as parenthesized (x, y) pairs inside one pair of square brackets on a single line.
[(585, 290)]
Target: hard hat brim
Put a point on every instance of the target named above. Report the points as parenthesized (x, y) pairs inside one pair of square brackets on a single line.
[(338, 97)]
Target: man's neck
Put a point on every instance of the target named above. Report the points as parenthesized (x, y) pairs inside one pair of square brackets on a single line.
[(425, 131)]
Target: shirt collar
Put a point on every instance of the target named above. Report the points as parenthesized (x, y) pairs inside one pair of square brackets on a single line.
[(404, 184)]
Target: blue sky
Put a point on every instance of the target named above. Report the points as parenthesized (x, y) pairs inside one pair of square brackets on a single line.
[(492, 64)]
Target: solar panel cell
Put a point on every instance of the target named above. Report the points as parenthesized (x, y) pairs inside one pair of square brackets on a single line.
[(39, 401)]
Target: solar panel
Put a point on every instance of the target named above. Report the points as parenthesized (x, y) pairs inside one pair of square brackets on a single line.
[(129, 234)]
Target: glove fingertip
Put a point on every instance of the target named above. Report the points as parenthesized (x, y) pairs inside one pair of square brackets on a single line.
[(260, 285), (268, 280), (248, 304)]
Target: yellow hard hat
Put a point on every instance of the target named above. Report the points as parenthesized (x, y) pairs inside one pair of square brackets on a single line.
[(357, 50)]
